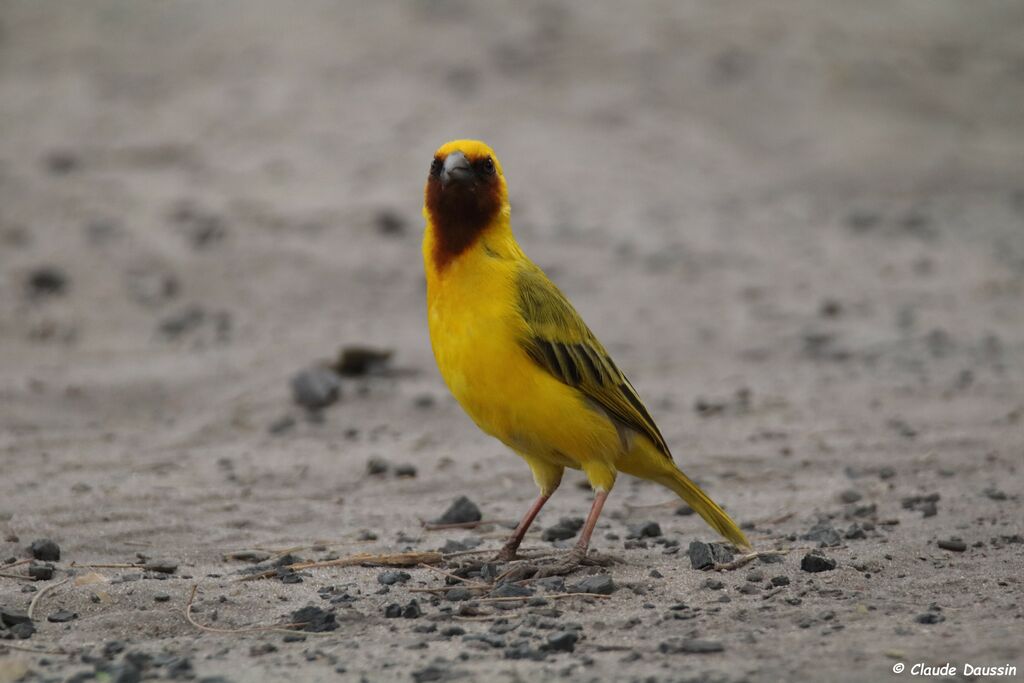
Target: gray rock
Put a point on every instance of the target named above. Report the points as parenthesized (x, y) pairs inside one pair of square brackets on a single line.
[(562, 641), (601, 584), (316, 388), (814, 563), (706, 555), (824, 535), (691, 646), (45, 549), (461, 511)]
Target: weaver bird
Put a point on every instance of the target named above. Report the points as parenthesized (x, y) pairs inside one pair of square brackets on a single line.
[(521, 361)]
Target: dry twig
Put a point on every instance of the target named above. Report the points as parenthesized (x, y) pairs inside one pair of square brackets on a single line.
[(386, 560), (43, 591)]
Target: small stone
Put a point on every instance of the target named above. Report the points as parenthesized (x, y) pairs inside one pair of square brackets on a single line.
[(850, 496), (458, 594), (749, 589), (23, 631), (566, 528), (995, 494), (823, 534), (644, 530), (953, 544), (412, 610), (430, 674), (41, 572), (316, 388), (389, 222), (393, 611), (886, 472), (713, 584), (377, 466), (706, 555), (684, 510), (780, 581), (313, 619), (161, 597), (511, 590), (855, 532), (262, 649), (755, 576), (814, 563), (655, 574), (161, 566), (562, 641), (62, 616), (691, 646), (11, 617), (461, 511), (281, 425), (405, 471), (390, 578), (46, 281), (929, 618), (45, 549), (356, 361), (601, 584)]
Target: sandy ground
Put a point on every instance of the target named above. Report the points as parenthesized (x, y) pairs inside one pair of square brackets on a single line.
[(799, 226)]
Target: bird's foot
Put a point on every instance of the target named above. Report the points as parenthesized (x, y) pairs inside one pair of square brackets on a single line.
[(567, 565)]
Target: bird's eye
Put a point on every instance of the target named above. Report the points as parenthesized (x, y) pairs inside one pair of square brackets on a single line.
[(488, 166), (435, 167)]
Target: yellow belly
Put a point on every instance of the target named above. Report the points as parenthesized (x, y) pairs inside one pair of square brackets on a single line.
[(475, 327)]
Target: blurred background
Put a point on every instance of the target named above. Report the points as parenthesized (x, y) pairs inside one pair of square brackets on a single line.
[(798, 225)]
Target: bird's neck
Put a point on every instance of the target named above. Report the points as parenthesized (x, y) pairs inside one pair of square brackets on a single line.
[(450, 237)]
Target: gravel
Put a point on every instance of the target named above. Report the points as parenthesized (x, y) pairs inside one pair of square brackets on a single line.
[(461, 511), (45, 549), (316, 388), (815, 563)]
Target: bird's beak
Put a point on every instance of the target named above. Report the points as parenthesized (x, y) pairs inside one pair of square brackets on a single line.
[(456, 169)]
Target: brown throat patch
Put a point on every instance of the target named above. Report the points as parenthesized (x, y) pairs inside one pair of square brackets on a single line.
[(459, 213)]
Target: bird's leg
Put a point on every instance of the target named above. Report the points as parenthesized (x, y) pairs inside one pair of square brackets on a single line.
[(508, 551), (578, 554)]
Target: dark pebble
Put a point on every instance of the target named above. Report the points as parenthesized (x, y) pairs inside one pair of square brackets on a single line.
[(954, 544), (562, 641), (929, 618), (389, 222), (644, 530), (511, 590), (12, 617), (355, 361), (412, 610), (566, 528), (262, 649), (46, 281), (430, 674), (706, 555), (691, 646), (23, 631), (714, 584), (405, 470), (392, 611), (850, 496), (824, 535), (281, 425), (41, 572), (377, 466), (162, 597), (46, 550), (552, 584), (314, 619), (855, 532), (817, 563), (995, 494), (62, 616), (749, 589), (61, 162), (461, 511), (458, 594), (684, 511), (161, 566), (780, 580), (390, 578), (601, 584), (316, 388)]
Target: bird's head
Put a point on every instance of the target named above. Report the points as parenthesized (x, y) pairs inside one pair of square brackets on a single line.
[(465, 193)]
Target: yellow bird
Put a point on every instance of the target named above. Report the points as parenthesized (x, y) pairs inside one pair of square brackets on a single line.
[(521, 361)]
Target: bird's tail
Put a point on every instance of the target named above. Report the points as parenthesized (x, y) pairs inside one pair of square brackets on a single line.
[(705, 507)]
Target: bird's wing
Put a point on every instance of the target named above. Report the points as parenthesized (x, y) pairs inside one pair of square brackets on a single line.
[(560, 342)]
